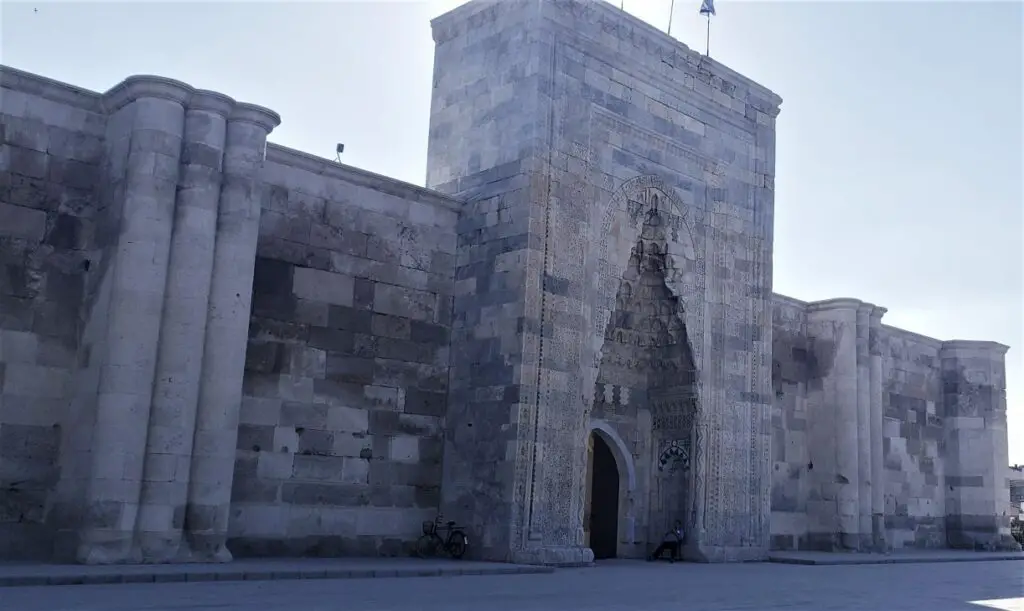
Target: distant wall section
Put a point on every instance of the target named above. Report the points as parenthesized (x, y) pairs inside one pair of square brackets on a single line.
[(882, 438), (340, 437), (51, 148)]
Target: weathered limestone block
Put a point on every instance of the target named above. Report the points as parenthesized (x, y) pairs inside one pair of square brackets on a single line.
[(977, 498), (176, 388), (835, 445), (49, 170), (345, 381), (875, 430), (865, 482), (204, 347), (913, 433), (556, 155), (153, 111), (227, 325)]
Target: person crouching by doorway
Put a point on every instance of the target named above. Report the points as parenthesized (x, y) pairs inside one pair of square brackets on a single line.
[(672, 543)]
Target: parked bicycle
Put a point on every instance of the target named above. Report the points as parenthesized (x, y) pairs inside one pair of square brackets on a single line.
[(432, 543), (1017, 529)]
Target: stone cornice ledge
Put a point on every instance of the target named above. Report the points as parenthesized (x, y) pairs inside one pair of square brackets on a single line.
[(146, 86), (981, 346), (920, 337), (211, 101), (49, 89), (283, 155), (839, 303), (257, 115), (779, 297)]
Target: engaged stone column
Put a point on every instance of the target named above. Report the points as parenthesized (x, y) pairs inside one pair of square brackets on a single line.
[(151, 114), (836, 320), (865, 482), (877, 420), (227, 328), (176, 389), (977, 497)]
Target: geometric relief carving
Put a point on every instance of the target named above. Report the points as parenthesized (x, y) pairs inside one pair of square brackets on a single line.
[(675, 455), (647, 255)]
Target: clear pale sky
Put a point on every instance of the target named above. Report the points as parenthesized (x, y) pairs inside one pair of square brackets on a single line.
[(900, 176)]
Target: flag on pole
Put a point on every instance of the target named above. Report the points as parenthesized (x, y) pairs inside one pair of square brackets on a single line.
[(707, 8)]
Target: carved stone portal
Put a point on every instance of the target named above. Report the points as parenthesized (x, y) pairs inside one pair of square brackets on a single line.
[(646, 380)]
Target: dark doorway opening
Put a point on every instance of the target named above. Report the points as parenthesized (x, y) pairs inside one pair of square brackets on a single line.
[(604, 501)]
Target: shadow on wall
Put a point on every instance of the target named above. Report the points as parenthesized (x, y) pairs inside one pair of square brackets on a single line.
[(800, 364)]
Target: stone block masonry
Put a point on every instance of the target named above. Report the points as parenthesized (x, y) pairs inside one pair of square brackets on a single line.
[(342, 423), (50, 155), (212, 346), (142, 194), (601, 135), (929, 461)]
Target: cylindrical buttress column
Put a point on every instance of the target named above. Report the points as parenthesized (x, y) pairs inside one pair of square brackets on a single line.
[(877, 419), (837, 321), (227, 328), (153, 116), (179, 366), (864, 423)]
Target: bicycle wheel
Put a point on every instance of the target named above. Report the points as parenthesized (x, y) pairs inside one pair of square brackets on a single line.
[(428, 545), (457, 544)]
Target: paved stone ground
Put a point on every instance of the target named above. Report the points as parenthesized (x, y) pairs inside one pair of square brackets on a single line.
[(898, 557), (270, 569), (613, 586)]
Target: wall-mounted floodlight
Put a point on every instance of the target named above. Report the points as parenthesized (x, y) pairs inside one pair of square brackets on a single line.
[(339, 149)]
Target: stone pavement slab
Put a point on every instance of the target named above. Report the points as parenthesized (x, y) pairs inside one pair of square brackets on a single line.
[(18, 574), (901, 557), (609, 586)]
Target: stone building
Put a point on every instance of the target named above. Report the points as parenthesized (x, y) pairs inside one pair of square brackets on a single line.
[(1015, 482), (214, 346)]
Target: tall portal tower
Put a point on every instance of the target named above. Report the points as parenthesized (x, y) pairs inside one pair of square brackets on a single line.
[(574, 130)]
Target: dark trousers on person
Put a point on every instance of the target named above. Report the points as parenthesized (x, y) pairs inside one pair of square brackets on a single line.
[(672, 547)]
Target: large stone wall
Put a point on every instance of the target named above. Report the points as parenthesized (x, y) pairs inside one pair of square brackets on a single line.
[(341, 425), (941, 408), (51, 147), (597, 123), (209, 345), (794, 369), (914, 430)]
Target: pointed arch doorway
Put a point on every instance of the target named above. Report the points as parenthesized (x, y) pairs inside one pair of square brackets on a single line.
[(603, 499)]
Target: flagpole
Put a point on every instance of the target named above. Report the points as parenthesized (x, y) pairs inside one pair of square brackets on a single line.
[(707, 37), (707, 8), (671, 10)]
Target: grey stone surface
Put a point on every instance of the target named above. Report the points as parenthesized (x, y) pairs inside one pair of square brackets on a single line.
[(941, 441), (904, 557), (214, 346), (29, 575), (612, 123), (49, 173), (340, 436), (617, 586)]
